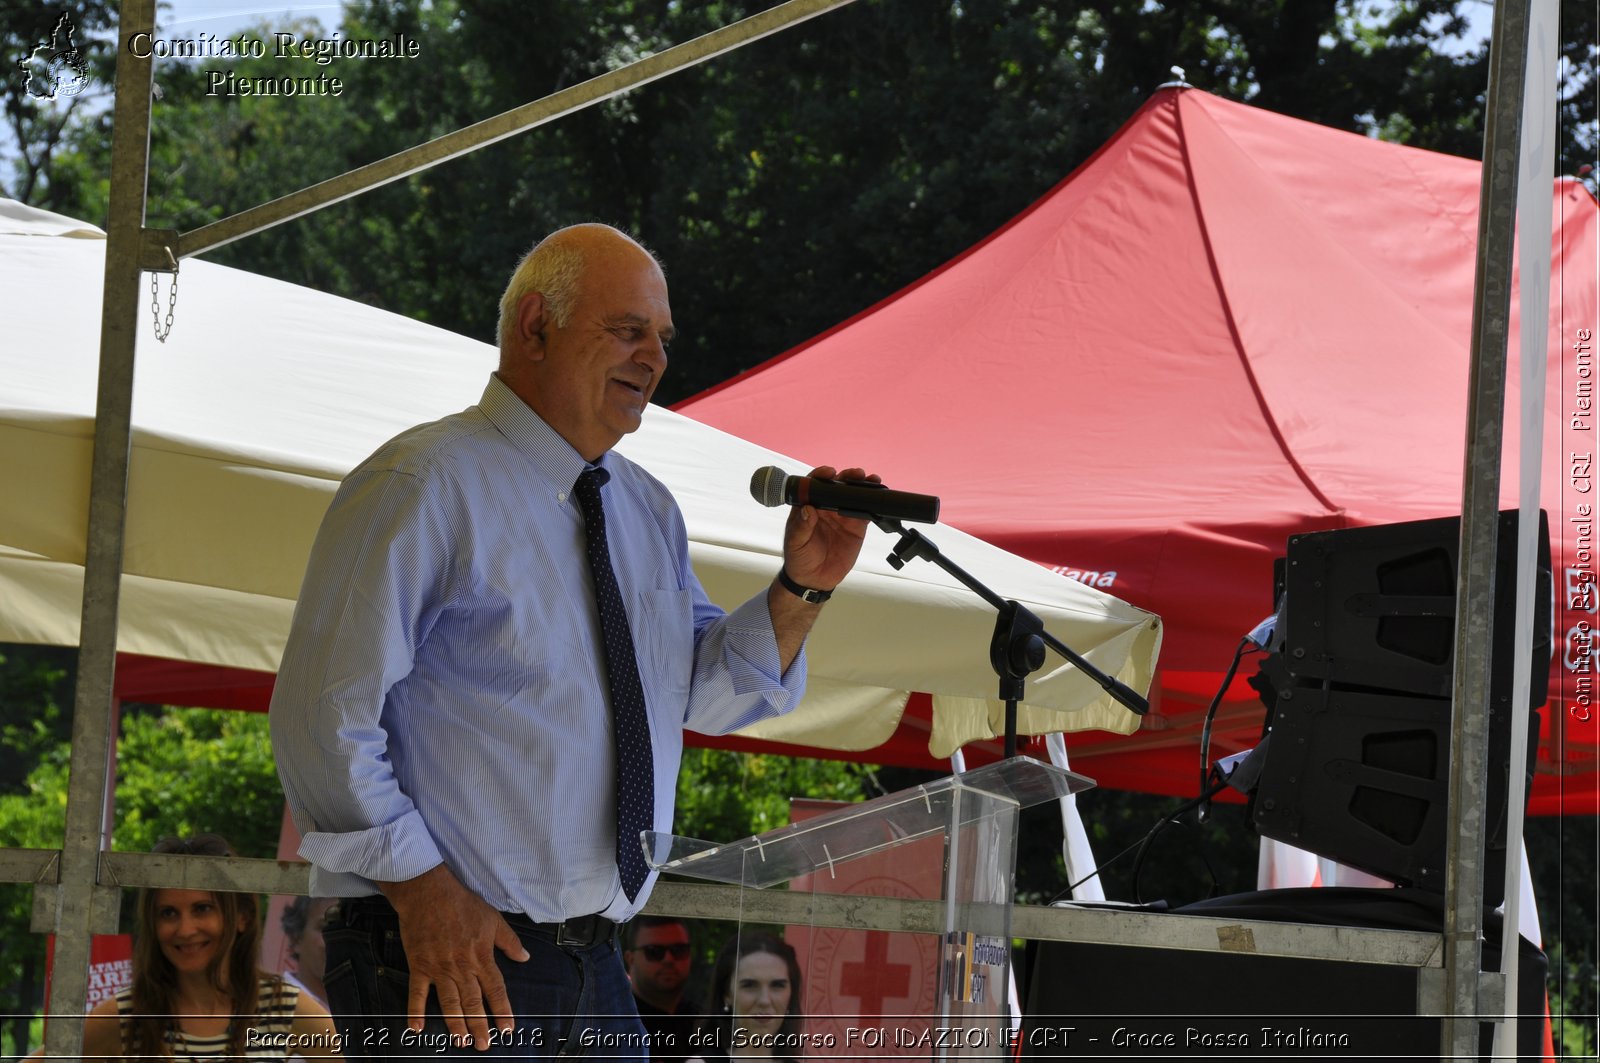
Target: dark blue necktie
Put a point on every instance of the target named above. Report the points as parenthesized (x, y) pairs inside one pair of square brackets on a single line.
[(630, 727)]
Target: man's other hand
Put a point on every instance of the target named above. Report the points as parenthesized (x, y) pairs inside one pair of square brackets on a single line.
[(450, 935)]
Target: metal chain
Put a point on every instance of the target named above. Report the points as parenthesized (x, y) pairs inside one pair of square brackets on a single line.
[(172, 302)]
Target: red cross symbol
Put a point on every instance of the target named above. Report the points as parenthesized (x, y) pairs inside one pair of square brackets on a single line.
[(874, 979)]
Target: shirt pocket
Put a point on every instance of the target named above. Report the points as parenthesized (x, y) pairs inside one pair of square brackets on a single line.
[(666, 630)]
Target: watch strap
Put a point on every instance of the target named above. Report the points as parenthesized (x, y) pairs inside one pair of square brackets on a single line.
[(805, 594)]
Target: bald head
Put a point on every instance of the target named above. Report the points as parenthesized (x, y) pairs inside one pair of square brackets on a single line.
[(555, 268), (584, 328)]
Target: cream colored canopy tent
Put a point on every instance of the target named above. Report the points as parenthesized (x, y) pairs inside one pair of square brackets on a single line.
[(266, 394)]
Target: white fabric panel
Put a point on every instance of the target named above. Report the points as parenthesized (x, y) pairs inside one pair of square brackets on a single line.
[(266, 394)]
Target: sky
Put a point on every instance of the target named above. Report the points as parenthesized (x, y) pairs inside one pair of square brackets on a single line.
[(224, 18)]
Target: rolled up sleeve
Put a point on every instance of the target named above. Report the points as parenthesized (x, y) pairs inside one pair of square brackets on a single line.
[(738, 675), (377, 577)]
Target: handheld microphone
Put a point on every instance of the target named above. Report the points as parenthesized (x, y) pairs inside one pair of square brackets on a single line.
[(771, 486)]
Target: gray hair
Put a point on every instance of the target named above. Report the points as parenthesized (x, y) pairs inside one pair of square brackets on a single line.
[(552, 269)]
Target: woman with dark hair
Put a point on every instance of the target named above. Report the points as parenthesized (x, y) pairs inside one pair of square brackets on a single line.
[(197, 988), (756, 980)]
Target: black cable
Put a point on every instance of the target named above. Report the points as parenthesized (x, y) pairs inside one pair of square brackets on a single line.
[(1209, 787), (1066, 892), (1144, 843), (1207, 793), (1211, 710)]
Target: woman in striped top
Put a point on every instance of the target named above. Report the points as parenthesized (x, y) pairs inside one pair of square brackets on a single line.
[(197, 990)]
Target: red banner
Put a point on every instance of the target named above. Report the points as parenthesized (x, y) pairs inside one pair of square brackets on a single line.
[(110, 967)]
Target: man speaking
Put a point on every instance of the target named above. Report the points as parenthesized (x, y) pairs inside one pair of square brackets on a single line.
[(497, 647)]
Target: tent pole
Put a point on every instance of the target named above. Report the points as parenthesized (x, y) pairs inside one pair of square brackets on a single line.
[(1536, 174), (1480, 505), (77, 904), (84, 906)]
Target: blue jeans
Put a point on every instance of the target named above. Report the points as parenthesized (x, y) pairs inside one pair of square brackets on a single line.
[(569, 1001)]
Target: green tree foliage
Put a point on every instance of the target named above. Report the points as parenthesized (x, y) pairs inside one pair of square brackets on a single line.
[(182, 771), (723, 796), (1578, 136), (787, 185), (1563, 853), (179, 771), (36, 124), (1348, 64), (35, 684), (33, 727)]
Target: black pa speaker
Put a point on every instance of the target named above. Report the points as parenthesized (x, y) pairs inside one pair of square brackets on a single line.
[(1358, 688), (1122, 1002)]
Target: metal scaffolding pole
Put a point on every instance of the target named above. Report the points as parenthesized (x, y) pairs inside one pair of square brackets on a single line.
[(79, 895), (84, 907), (1467, 993)]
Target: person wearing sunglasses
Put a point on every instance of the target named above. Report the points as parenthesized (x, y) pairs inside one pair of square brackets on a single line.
[(657, 958)]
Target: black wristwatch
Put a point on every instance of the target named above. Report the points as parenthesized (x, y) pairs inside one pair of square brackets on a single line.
[(805, 594)]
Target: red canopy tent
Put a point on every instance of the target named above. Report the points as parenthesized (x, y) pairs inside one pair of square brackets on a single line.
[(1227, 327)]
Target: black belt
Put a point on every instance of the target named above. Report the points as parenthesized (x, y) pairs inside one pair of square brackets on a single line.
[(583, 931)]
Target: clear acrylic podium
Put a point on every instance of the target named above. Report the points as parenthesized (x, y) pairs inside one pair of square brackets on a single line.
[(905, 945)]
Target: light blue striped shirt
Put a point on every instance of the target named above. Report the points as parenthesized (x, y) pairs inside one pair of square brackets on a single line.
[(442, 695)]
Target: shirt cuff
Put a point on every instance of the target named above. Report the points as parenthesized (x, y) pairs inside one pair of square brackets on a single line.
[(393, 852), (756, 666)]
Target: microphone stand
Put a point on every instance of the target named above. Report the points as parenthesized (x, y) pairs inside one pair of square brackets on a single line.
[(1017, 648)]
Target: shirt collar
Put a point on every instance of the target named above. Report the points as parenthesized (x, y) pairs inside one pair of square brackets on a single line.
[(529, 433)]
